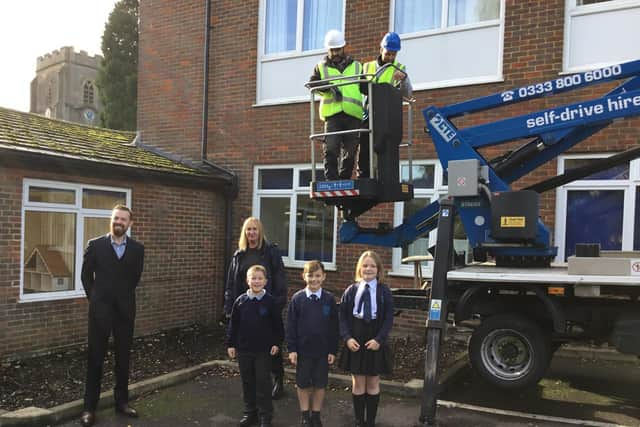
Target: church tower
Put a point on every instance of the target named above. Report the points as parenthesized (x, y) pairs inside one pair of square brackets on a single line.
[(65, 86)]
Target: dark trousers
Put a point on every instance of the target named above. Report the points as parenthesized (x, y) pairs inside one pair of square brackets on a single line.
[(277, 365), (341, 147), (100, 328), (256, 382)]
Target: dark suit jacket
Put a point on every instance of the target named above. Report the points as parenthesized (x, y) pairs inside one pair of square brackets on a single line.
[(110, 282)]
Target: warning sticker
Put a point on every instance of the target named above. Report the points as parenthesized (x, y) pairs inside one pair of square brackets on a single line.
[(512, 222), (435, 309)]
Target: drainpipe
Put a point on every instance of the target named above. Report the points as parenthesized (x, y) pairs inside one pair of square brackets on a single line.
[(231, 189)]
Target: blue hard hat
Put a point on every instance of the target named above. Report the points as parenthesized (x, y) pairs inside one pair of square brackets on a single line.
[(391, 41)]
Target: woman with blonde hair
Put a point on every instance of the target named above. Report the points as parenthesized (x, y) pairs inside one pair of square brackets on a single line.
[(255, 249)]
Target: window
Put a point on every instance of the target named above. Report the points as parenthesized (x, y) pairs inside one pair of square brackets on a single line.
[(613, 43), (419, 15), (283, 32), (58, 219), (430, 29), (429, 186), (290, 44), (87, 93), (303, 229), (602, 208)]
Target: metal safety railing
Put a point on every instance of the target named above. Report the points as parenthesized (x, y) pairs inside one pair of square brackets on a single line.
[(321, 85)]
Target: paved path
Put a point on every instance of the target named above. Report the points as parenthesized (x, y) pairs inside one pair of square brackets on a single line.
[(210, 400)]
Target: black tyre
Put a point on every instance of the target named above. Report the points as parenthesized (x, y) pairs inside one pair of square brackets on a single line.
[(510, 351)]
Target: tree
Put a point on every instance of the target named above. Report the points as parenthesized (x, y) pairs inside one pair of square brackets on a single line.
[(118, 75)]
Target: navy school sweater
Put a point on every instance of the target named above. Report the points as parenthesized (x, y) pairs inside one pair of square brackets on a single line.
[(383, 321), (312, 326), (255, 325)]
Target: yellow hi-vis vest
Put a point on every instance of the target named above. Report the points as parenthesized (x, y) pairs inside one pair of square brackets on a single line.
[(351, 102), (387, 74)]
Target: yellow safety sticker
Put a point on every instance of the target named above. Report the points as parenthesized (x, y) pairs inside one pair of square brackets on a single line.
[(512, 221)]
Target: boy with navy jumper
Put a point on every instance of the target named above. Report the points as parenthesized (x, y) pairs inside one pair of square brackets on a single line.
[(366, 318), (254, 335), (312, 340)]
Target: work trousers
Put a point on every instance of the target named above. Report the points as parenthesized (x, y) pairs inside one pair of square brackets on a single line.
[(340, 147), (255, 371), (100, 328)]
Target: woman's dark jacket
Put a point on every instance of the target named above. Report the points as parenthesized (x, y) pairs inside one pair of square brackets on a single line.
[(276, 277)]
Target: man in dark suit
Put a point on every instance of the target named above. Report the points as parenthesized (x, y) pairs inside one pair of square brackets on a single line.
[(111, 270)]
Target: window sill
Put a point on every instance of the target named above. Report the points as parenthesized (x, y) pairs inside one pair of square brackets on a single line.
[(281, 101), (44, 297)]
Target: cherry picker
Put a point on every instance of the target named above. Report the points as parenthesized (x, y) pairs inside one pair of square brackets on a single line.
[(521, 307)]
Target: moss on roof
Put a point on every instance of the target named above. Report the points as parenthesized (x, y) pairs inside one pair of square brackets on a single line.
[(31, 132)]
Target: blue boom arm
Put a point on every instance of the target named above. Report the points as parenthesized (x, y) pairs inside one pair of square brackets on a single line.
[(554, 130)]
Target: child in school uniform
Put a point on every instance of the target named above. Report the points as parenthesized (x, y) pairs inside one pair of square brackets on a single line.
[(366, 317), (254, 335), (312, 340)]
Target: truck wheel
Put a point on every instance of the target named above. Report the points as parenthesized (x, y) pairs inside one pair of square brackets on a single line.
[(510, 351)]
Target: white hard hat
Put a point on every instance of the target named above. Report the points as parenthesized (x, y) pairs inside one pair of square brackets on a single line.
[(334, 39)]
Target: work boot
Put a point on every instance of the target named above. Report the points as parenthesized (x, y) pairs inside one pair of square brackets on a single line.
[(248, 419), (278, 388)]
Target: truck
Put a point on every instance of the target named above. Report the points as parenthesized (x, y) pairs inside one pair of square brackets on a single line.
[(521, 306)]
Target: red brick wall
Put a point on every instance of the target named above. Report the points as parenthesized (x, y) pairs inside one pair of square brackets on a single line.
[(183, 233), (241, 135)]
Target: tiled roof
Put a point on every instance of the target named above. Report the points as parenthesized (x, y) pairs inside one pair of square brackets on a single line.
[(34, 133)]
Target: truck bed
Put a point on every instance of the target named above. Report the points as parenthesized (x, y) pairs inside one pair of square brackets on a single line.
[(557, 274)]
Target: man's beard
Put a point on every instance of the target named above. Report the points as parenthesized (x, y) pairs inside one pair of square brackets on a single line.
[(119, 231)]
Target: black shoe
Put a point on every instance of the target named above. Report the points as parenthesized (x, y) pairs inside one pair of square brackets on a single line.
[(126, 410), (315, 419), (278, 388), (87, 419), (265, 421), (305, 420), (248, 419)]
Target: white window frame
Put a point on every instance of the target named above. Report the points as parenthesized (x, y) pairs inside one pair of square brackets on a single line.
[(81, 213), (626, 185), (298, 53), (291, 193), (434, 194), (572, 10), (449, 30)]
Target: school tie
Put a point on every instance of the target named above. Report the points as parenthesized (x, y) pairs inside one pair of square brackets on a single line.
[(314, 297), (365, 300)]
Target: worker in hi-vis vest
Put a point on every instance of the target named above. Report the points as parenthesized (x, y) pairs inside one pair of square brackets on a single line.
[(394, 74), (340, 107)]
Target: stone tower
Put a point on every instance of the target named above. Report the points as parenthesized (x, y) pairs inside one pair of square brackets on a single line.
[(65, 86)]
